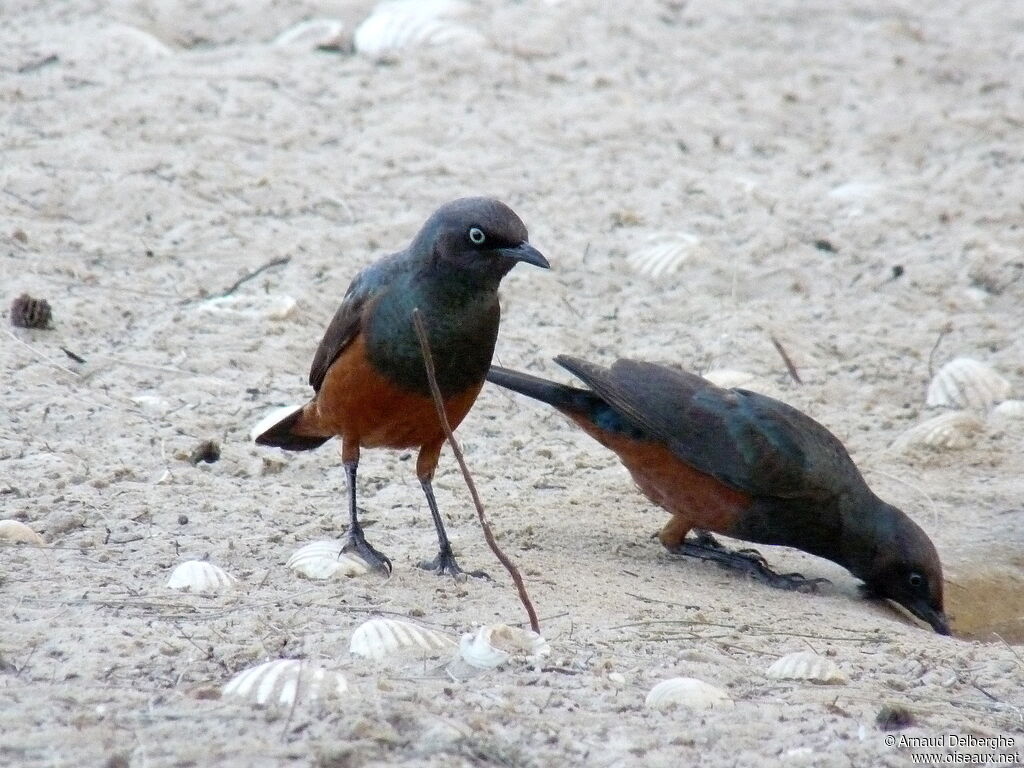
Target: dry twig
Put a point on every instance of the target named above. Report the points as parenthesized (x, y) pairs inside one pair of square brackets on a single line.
[(259, 270), (785, 358), (435, 391)]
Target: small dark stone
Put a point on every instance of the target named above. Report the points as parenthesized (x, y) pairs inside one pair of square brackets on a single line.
[(182, 519), (207, 451), (27, 312), (894, 717), (897, 271), (74, 356), (825, 245)]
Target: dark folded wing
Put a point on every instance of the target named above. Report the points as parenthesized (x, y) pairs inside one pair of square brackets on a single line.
[(347, 321), (749, 441)]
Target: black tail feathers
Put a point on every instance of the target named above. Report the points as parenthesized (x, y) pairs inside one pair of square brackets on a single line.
[(284, 434), (564, 398)]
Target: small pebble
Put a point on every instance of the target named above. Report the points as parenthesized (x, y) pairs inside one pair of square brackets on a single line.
[(27, 312), (207, 451), (894, 717)]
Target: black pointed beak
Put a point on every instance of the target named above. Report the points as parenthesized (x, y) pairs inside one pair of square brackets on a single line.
[(527, 254), (936, 618)]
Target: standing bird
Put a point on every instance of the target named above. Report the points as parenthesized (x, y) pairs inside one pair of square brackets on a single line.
[(368, 374), (747, 466)]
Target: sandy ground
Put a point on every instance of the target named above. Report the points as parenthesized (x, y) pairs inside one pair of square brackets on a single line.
[(167, 150)]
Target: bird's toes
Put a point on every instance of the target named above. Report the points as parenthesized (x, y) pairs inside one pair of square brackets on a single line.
[(441, 568), (798, 582), (753, 556), (445, 564), (378, 561)]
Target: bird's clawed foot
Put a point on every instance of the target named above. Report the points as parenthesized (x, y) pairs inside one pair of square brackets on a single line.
[(795, 582), (446, 565), (749, 561), (356, 542)]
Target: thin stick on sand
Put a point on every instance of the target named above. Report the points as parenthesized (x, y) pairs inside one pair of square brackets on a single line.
[(435, 391), (254, 273), (785, 358)]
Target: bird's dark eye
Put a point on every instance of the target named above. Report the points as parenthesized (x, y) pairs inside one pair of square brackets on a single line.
[(477, 236), (916, 580)]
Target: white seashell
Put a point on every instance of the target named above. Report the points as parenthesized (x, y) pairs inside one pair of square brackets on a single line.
[(325, 560), (378, 638), (200, 576), (491, 646), (267, 307), (130, 42), (967, 383), (313, 33), (664, 255), (806, 665), (856, 190), (407, 24), (687, 692), (728, 378), (152, 403), (1008, 410), (270, 419), (17, 532), (284, 682), (948, 431)]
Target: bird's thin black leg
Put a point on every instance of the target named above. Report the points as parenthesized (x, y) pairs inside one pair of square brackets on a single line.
[(354, 539), (706, 547), (444, 563)]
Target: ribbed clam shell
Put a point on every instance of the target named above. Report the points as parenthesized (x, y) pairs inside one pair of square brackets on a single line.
[(399, 25), (664, 254), (967, 383), (325, 560), (312, 34), (284, 682), (379, 638), (1008, 410), (493, 645), (948, 431), (200, 576), (806, 665), (687, 692), (17, 532)]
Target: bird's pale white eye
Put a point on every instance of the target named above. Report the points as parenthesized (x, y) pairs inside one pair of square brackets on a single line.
[(477, 236)]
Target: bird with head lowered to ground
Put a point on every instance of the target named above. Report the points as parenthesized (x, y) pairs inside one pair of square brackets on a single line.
[(748, 466), (368, 375)]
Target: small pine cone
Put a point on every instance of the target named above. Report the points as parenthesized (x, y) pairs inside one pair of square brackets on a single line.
[(27, 312)]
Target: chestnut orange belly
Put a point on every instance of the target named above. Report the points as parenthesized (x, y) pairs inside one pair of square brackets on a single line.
[(695, 499), (359, 404)]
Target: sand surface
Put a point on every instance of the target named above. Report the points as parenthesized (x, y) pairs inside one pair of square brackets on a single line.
[(844, 177)]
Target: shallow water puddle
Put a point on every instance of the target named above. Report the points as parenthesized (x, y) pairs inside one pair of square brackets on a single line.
[(984, 605)]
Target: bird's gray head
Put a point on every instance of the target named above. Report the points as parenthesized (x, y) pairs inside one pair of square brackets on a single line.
[(477, 236), (905, 568)]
